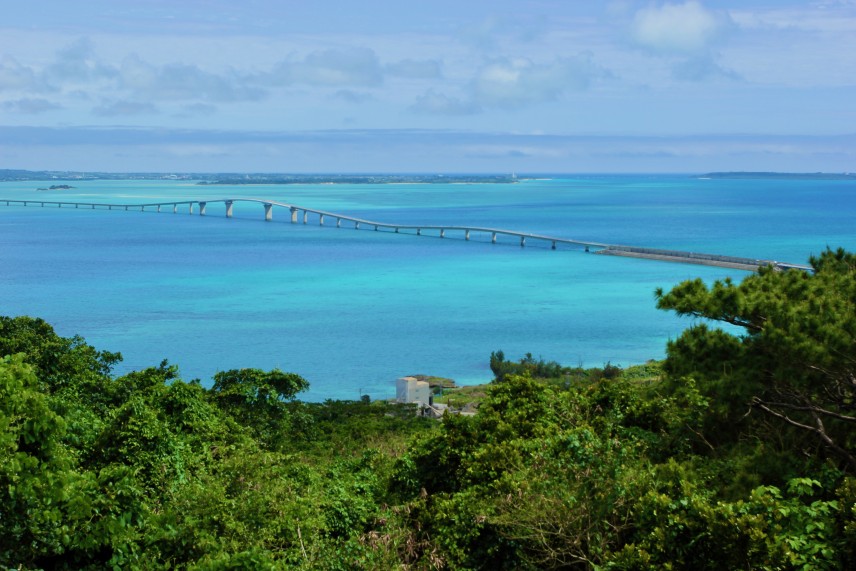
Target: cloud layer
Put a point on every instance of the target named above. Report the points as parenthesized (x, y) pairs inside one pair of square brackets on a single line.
[(626, 67)]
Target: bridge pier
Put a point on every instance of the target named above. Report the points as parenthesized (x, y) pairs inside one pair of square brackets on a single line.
[(109, 207), (320, 220), (442, 233), (396, 230), (554, 245), (268, 211), (305, 216), (419, 231), (338, 222), (202, 208), (159, 208), (522, 241), (229, 209), (126, 208), (190, 208), (493, 238), (467, 235), (174, 208), (356, 225), (375, 227), (293, 215)]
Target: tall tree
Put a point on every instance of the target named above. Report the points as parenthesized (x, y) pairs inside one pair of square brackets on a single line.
[(791, 354), (261, 400)]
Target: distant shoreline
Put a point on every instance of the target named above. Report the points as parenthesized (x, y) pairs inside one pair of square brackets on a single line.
[(236, 179), (780, 175), (361, 179), (15, 175)]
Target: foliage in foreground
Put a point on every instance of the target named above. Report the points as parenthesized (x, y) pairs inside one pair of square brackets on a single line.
[(794, 364), (649, 468)]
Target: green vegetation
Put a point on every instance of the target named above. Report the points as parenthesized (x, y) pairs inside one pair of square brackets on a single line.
[(736, 452), (464, 398)]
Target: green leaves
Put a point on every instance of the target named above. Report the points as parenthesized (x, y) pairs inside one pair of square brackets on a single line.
[(48, 507), (256, 388), (59, 362), (795, 363), (604, 468), (260, 400)]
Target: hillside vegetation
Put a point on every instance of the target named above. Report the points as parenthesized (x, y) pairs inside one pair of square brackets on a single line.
[(736, 452)]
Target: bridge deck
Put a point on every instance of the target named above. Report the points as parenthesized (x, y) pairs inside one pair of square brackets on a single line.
[(749, 264)]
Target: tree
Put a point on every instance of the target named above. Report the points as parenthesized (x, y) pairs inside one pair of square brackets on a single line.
[(255, 390), (52, 513), (259, 399), (538, 369), (58, 361), (795, 360)]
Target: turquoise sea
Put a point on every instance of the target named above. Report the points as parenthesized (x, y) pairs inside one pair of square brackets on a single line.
[(352, 310)]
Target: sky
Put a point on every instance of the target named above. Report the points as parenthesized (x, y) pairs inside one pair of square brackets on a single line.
[(470, 86)]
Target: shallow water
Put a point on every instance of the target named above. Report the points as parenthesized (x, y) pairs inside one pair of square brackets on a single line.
[(353, 310)]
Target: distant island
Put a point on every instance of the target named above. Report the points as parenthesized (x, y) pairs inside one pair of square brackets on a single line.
[(14, 175), (57, 187), (362, 179), (782, 175), (17, 175)]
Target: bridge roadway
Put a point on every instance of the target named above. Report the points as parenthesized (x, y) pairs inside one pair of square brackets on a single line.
[(748, 264)]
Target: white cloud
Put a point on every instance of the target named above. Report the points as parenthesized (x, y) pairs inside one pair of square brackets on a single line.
[(77, 63), (511, 83), (331, 68), (483, 33), (350, 96), (182, 82), (77, 69), (414, 69), (17, 77), (679, 28), (702, 67), (496, 31), (137, 74), (30, 106), (825, 18), (124, 108), (433, 103)]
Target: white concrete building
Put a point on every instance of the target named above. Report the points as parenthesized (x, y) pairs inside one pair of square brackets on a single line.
[(409, 389)]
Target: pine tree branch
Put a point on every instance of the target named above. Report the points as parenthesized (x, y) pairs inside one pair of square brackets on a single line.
[(819, 431), (813, 409)]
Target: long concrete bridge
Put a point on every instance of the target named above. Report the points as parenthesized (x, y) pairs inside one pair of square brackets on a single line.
[(297, 212)]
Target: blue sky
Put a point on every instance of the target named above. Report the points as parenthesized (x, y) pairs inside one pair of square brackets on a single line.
[(441, 86)]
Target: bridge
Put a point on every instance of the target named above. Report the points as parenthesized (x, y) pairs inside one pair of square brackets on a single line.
[(295, 212)]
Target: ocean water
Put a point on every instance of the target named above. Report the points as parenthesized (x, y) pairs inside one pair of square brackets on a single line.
[(352, 310)]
